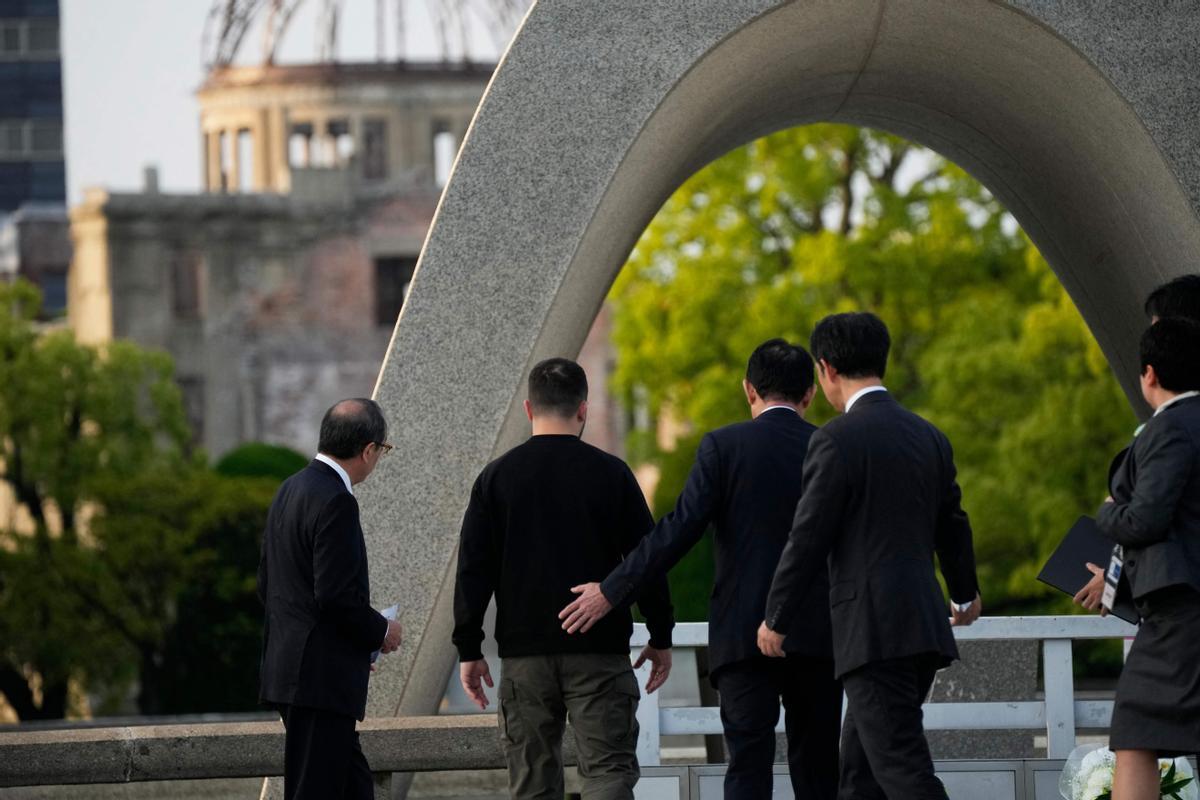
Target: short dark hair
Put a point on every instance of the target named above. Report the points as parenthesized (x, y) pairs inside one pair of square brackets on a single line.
[(855, 344), (1172, 347), (557, 386), (1179, 297), (778, 370), (350, 425)]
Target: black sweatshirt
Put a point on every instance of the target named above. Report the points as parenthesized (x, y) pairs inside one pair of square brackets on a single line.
[(550, 514)]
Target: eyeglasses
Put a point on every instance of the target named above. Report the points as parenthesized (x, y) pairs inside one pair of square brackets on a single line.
[(384, 448)]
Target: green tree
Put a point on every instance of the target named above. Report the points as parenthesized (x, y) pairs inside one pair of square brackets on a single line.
[(260, 460), (775, 235), (137, 563), (173, 564), (69, 416)]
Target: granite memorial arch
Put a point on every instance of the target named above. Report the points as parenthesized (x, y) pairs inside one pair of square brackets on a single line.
[(1080, 117)]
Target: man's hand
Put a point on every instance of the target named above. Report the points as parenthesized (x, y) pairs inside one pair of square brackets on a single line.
[(661, 659), (960, 618), (770, 642), (1089, 596), (395, 635), (473, 675), (586, 610)]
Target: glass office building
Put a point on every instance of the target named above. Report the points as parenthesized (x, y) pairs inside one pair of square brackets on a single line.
[(32, 165)]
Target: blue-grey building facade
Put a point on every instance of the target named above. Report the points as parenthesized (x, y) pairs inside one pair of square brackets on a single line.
[(32, 164)]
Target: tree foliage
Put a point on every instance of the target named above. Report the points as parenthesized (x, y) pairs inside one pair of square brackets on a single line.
[(135, 564), (815, 220)]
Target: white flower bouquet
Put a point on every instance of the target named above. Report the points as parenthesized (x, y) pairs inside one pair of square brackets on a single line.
[(1088, 775)]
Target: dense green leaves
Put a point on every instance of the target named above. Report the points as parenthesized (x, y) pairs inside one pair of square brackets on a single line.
[(815, 220), (131, 563)]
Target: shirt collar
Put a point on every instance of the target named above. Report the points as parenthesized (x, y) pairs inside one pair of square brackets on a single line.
[(772, 408), (854, 397), (1174, 400), (324, 459)]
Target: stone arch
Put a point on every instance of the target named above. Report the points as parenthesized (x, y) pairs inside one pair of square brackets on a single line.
[(1078, 119)]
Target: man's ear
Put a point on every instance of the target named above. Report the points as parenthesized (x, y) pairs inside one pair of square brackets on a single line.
[(826, 369), (1150, 377), (808, 397), (581, 412), (529, 410), (751, 392)]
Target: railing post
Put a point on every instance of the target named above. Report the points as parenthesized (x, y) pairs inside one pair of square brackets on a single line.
[(383, 785), (1060, 697), (649, 741)]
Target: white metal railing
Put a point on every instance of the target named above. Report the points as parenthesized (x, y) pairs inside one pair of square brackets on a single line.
[(1058, 714)]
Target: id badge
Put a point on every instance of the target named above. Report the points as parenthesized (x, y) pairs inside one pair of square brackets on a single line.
[(1112, 578)]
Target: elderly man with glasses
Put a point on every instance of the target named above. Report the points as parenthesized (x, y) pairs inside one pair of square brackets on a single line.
[(320, 630)]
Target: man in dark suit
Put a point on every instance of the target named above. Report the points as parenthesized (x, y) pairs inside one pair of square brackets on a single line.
[(320, 629), (746, 481), (880, 499)]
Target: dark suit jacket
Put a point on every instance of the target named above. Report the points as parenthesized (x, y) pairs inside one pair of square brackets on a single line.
[(1156, 508), (320, 629), (880, 498), (745, 481)]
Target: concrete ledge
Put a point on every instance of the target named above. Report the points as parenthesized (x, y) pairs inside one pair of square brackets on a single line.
[(236, 750)]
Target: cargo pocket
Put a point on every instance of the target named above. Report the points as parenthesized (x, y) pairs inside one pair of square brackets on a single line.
[(509, 715), (620, 716)]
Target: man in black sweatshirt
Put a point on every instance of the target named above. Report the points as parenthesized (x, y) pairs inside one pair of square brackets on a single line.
[(548, 515)]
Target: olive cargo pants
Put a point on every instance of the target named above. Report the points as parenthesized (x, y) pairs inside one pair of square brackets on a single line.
[(600, 695)]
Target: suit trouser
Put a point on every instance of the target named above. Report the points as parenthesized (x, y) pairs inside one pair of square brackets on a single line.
[(322, 759), (600, 695), (884, 751), (751, 691)]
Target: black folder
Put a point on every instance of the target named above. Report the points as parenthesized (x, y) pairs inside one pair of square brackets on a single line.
[(1067, 568)]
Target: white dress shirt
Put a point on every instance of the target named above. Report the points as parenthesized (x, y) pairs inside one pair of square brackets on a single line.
[(854, 397), (789, 408), (1173, 401), (324, 459)]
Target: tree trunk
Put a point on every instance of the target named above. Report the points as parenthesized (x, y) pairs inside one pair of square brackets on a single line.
[(150, 702), (17, 692)]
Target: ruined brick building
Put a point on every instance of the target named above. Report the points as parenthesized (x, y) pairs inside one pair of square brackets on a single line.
[(276, 289)]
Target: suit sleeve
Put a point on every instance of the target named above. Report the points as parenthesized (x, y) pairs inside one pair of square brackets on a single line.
[(654, 596), (1165, 458), (476, 578), (262, 564), (675, 534), (818, 516), (338, 564), (953, 539)]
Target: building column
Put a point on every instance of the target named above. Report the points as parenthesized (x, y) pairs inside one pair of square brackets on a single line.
[(212, 162), (262, 142), (279, 133), (235, 157)]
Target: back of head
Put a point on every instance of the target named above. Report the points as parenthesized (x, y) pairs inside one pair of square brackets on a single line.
[(349, 426), (856, 344), (780, 371), (1172, 347), (1176, 298), (557, 386)]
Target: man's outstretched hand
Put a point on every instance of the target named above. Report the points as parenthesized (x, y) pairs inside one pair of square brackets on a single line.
[(473, 675), (661, 661), (770, 642), (588, 609)]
